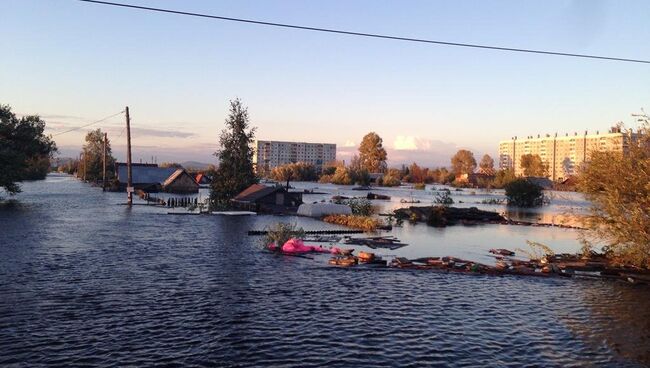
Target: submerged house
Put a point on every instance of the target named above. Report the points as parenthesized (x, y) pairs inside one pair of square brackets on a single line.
[(262, 198), (151, 178), (202, 179), (180, 182)]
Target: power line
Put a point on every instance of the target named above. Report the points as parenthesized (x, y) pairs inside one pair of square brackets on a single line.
[(372, 35), (87, 125)]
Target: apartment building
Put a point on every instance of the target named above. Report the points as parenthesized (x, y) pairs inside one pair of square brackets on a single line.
[(563, 154), (270, 154)]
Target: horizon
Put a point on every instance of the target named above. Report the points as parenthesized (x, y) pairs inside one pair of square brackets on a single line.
[(177, 74)]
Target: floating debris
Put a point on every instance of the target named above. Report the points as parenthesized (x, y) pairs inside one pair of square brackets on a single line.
[(372, 195), (503, 252), (374, 242)]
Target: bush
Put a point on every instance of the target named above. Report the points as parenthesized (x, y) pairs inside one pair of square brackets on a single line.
[(355, 221), (281, 232), (443, 197), (360, 206), (437, 217), (522, 193), (419, 186), (390, 181)]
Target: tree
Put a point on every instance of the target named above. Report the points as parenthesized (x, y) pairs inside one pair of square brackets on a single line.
[(372, 153), (23, 149), (235, 172), (92, 163), (522, 193), (171, 164), (503, 177), (617, 186), (463, 162), (299, 171), (341, 176), (533, 165), (487, 163)]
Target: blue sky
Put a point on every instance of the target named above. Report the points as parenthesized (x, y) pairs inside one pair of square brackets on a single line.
[(74, 63)]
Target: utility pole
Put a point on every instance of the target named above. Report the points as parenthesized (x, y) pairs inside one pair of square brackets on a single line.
[(104, 168), (129, 182), (79, 164), (85, 165)]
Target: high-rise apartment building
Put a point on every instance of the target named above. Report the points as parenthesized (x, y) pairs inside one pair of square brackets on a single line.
[(270, 154), (563, 154)]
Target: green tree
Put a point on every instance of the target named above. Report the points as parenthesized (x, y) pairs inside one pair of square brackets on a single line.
[(235, 172), (372, 153), (23, 149), (533, 165), (522, 193), (618, 187), (92, 163), (487, 163), (463, 162)]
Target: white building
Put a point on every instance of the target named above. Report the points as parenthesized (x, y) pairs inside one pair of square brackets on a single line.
[(270, 154), (563, 154)]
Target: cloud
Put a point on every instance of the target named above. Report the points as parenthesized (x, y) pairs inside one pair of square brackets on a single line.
[(46, 117), (409, 142), (148, 132), (349, 143)]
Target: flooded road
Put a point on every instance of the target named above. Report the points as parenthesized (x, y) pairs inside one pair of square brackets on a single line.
[(86, 281)]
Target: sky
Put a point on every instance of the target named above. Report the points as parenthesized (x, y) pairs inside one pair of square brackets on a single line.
[(74, 63)]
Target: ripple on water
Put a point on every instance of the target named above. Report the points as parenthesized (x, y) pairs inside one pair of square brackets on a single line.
[(84, 282)]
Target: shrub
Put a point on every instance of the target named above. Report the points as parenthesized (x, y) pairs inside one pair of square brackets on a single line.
[(360, 206), (443, 197), (437, 217), (522, 193), (390, 181), (355, 221), (281, 232), (419, 186)]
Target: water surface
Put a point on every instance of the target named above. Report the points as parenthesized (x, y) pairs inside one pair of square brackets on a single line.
[(85, 281)]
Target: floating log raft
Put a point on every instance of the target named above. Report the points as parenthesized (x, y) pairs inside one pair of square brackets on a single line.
[(387, 242), (350, 231), (441, 216), (372, 195)]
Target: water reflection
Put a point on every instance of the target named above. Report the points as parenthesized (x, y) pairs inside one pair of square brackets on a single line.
[(85, 281)]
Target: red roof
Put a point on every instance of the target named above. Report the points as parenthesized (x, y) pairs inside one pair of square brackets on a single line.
[(256, 192)]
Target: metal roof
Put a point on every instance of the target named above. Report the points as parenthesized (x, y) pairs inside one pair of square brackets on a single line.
[(144, 174)]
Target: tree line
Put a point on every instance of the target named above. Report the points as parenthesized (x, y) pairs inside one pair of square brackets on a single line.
[(25, 151)]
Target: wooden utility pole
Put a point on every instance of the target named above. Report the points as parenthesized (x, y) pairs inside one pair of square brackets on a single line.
[(104, 163), (129, 181), (85, 165)]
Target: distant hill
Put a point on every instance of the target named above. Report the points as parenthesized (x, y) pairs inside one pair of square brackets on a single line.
[(194, 165)]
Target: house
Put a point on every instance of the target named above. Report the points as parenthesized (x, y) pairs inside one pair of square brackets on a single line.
[(478, 178), (202, 179), (151, 179), (180, 182), (262, 198), (147, 177), (375, 177)]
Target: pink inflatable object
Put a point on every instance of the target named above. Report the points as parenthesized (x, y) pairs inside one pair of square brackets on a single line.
[(294, 245)]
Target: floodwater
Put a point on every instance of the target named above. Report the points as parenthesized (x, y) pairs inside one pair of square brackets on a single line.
[(86, 281)]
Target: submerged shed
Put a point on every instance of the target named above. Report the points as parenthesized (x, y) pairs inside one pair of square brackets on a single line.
[(180, 182), (262, 198)]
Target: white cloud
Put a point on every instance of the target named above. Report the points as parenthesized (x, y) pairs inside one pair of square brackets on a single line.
[(349, 143), (403, 142)]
